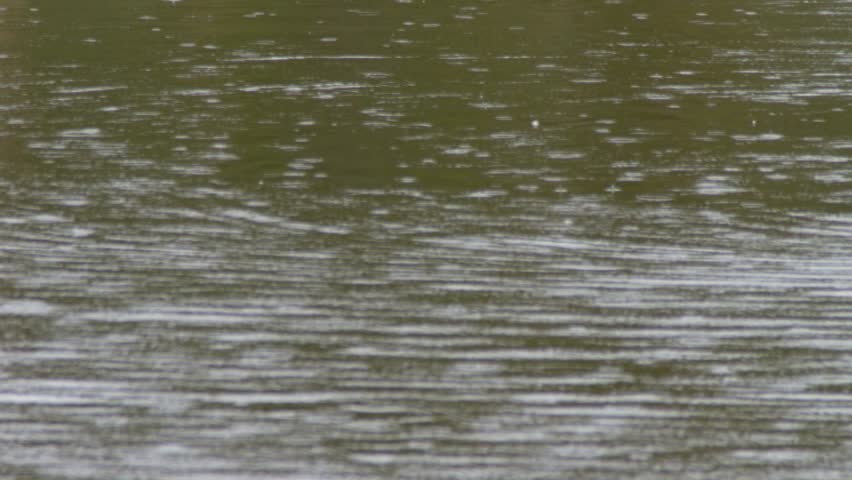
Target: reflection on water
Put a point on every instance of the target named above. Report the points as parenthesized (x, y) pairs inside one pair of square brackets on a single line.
[(425, 240)]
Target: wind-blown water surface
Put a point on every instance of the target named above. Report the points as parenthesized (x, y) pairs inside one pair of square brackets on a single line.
[(425, 240)]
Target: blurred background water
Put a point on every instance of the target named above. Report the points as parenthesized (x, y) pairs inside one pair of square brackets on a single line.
[(425, 240)]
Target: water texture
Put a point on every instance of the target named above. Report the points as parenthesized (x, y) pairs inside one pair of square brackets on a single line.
[(425, 240)]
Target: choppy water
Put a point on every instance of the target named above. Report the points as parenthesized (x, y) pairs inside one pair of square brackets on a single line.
[(425, 240)]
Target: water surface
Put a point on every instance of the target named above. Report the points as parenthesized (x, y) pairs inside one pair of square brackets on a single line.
[(425, 240)]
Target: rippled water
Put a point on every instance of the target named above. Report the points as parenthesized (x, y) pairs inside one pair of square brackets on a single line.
[(425, 240)]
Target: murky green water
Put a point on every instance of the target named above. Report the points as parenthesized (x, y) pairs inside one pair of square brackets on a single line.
[(425, 240)]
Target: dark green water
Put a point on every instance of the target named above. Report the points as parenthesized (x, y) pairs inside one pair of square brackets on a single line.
[(425, 240)]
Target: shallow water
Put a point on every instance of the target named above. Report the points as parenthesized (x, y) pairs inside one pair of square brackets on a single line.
[(425, 240)]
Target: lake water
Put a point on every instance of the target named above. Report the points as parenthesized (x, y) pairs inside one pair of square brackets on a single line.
[(425, 239)]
